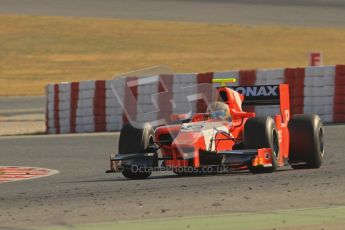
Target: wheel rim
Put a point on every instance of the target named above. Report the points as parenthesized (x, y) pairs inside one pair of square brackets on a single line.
[(151, 142), (150, 145), (321, 142)]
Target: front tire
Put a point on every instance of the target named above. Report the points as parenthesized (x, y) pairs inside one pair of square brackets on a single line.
[(306, 141), (128, 173), (261, 132), (135, 140)]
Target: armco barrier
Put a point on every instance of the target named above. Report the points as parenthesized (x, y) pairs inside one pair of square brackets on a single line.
[(94, 106)]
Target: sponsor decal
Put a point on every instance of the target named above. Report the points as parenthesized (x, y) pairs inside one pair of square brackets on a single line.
[(259, 94), (315, 59), (258, 91)]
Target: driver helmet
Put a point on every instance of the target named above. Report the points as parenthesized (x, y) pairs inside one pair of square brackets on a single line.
[(219, 110)]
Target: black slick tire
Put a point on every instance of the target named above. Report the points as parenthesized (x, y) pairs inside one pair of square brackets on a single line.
[(135, 140), (306, 141)]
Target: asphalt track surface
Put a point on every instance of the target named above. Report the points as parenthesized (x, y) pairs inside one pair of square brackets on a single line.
[(83, 193), (316, 13)]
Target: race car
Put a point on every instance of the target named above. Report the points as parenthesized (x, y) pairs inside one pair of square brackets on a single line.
[(224, 137)]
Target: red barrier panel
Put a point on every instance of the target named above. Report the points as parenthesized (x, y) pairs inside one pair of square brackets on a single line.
[(74, 105), (295, 78), (47, 110), (339, 94), (99, 106), (56, 109)]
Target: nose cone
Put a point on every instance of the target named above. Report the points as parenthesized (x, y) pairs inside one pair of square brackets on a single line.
[(201, 135), (188, 141)]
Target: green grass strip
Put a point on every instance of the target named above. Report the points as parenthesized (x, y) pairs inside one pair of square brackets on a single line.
[(239, 221)]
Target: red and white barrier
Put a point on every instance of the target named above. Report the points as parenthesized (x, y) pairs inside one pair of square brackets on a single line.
[(94, 106)]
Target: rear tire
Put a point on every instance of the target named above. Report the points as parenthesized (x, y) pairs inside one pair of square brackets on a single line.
[(261, 132), (306, 141), (135, 140)]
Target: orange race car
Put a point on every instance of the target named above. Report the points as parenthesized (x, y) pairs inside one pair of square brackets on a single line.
[(224, 137)]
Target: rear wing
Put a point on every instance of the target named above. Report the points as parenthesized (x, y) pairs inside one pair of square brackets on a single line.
[(262, 94), (254, 95), (267, 95), (257, 95)]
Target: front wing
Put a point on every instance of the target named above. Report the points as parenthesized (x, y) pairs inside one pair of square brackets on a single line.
[(232, 159)]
